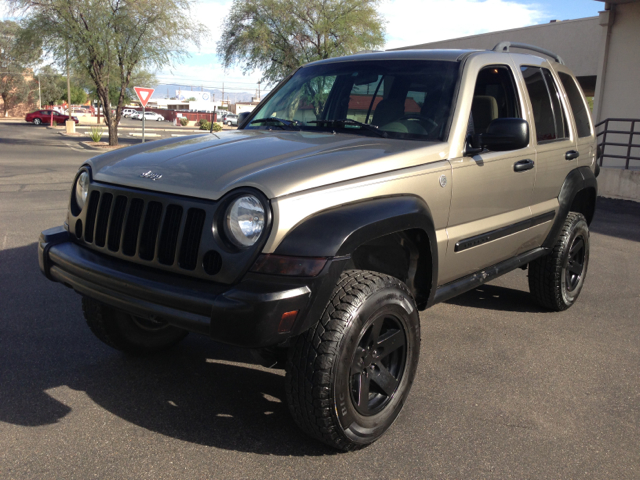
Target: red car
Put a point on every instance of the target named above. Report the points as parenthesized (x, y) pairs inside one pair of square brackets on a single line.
[(44, 116)]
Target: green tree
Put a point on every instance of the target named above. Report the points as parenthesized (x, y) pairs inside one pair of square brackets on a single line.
[(52, 85), (111, 39), (78, 95), (14, 60), (278, 36)]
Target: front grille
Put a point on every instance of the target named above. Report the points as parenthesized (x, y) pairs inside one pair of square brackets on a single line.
[(147, 230), (162, 231)]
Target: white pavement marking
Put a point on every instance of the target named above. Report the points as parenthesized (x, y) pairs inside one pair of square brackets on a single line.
[(4, 242)]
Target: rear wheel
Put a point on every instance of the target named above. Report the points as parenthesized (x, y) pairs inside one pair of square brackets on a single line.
[(129, 333), (229, 123), (349, 375), (556, 280), (37, 121)]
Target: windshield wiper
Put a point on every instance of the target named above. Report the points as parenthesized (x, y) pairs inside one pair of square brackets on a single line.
[(293, 124), (348, 121)]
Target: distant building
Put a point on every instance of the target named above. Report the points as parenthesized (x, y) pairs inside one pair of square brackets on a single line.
[(240, 107)]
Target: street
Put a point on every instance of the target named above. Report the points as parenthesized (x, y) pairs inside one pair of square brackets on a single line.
[(503, 389)]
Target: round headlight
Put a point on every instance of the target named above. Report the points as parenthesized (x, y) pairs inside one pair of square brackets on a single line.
[(82, 189), (245, 220)]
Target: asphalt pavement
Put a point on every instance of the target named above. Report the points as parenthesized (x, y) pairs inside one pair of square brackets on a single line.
[(504, 389)]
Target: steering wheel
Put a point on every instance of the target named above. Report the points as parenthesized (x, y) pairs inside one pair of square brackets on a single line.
[(428, 124)]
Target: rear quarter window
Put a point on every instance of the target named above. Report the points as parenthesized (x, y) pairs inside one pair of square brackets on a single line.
[(578, 105)]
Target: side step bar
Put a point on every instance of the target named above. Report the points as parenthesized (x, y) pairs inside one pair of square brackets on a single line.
[(455, 288)]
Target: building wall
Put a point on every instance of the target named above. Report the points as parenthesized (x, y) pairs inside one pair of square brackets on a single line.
[(576, 41), (621, 89)]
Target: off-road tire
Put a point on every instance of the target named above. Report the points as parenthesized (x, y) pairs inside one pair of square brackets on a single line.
[(326, 362), (37, 121), (556, 280), (129, 334)]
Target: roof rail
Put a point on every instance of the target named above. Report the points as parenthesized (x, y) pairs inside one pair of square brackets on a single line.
[(504, 47)]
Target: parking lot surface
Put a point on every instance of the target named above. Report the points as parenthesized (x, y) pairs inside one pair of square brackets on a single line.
[(504, 389)]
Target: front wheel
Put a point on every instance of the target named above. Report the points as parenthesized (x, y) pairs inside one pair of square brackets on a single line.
[(37, 121), (556, 280), (348, 376), (129, 333)]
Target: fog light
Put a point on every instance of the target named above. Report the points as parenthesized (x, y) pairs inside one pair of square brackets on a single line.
[(287, 320)]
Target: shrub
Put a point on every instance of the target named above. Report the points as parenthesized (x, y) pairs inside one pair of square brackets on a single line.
[(54, 124), (184, 121), (204, 125), (96, 134), (216, 127)]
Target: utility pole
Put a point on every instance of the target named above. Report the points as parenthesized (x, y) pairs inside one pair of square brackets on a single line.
[(68, 83), (39, 95)]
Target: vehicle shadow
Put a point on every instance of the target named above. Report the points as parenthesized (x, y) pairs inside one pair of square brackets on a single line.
[(495, 297), (617, 218), (200, 391)]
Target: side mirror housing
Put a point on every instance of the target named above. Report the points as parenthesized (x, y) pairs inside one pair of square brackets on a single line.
[(242, 117), (506, 134)]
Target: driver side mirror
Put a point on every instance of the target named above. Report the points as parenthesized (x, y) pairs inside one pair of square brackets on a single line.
[(242, 117), (503, 134)]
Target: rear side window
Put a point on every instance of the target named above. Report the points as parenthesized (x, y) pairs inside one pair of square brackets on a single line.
[(577, 105), (549, 117)]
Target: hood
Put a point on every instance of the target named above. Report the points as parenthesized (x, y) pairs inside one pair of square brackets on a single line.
[(277, 163)]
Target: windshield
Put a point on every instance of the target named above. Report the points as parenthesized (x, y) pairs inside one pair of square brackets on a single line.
[(390, 98)]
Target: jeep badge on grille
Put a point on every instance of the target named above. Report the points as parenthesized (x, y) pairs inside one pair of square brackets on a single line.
[(151, 175)]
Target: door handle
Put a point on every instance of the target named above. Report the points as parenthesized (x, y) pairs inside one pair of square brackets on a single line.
[(523, 165), (571, 155)]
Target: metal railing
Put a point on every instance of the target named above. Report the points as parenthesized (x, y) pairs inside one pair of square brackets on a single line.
[(629, 145)]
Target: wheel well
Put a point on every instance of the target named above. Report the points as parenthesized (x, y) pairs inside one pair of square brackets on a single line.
[(585, 203), (405, 255)]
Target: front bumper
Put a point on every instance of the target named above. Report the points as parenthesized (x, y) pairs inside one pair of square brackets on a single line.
[(245, 314)]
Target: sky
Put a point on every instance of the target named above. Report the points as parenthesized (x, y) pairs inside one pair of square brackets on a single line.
[(409, 22)]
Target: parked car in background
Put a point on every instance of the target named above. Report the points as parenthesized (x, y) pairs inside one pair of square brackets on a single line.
[(231, 119), (128, 112), (44, 116), (148, 116)]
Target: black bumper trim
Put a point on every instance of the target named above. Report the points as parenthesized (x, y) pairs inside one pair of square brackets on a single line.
[(246, 314)]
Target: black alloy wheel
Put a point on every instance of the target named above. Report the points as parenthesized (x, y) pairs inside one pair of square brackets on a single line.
[(575, 263), (378, 365), (348, 376), (556, 280)]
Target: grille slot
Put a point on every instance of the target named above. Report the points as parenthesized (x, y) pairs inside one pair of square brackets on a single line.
[(131, 227), (191, 238), (150, 231), (169, 235), (91, 215), (103, 219), (117, 217)]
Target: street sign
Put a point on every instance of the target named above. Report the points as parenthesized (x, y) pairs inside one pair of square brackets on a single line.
[(144, 94)]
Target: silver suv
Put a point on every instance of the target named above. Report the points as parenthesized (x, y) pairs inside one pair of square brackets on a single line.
[(361, 191)]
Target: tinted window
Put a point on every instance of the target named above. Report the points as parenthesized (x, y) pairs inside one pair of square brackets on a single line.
[(494, 97), (549, 117), (577, 105)]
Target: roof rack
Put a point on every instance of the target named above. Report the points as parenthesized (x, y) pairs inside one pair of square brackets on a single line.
[(504, 47)]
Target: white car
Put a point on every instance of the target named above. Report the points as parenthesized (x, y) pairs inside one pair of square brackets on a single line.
[(152, 116), (128, 112), (136, 115)]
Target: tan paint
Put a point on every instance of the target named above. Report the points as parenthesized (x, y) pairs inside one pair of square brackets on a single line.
[(422, 181)]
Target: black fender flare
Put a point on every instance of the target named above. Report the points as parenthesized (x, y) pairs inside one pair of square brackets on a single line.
[(338, 231), (579, 179)]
